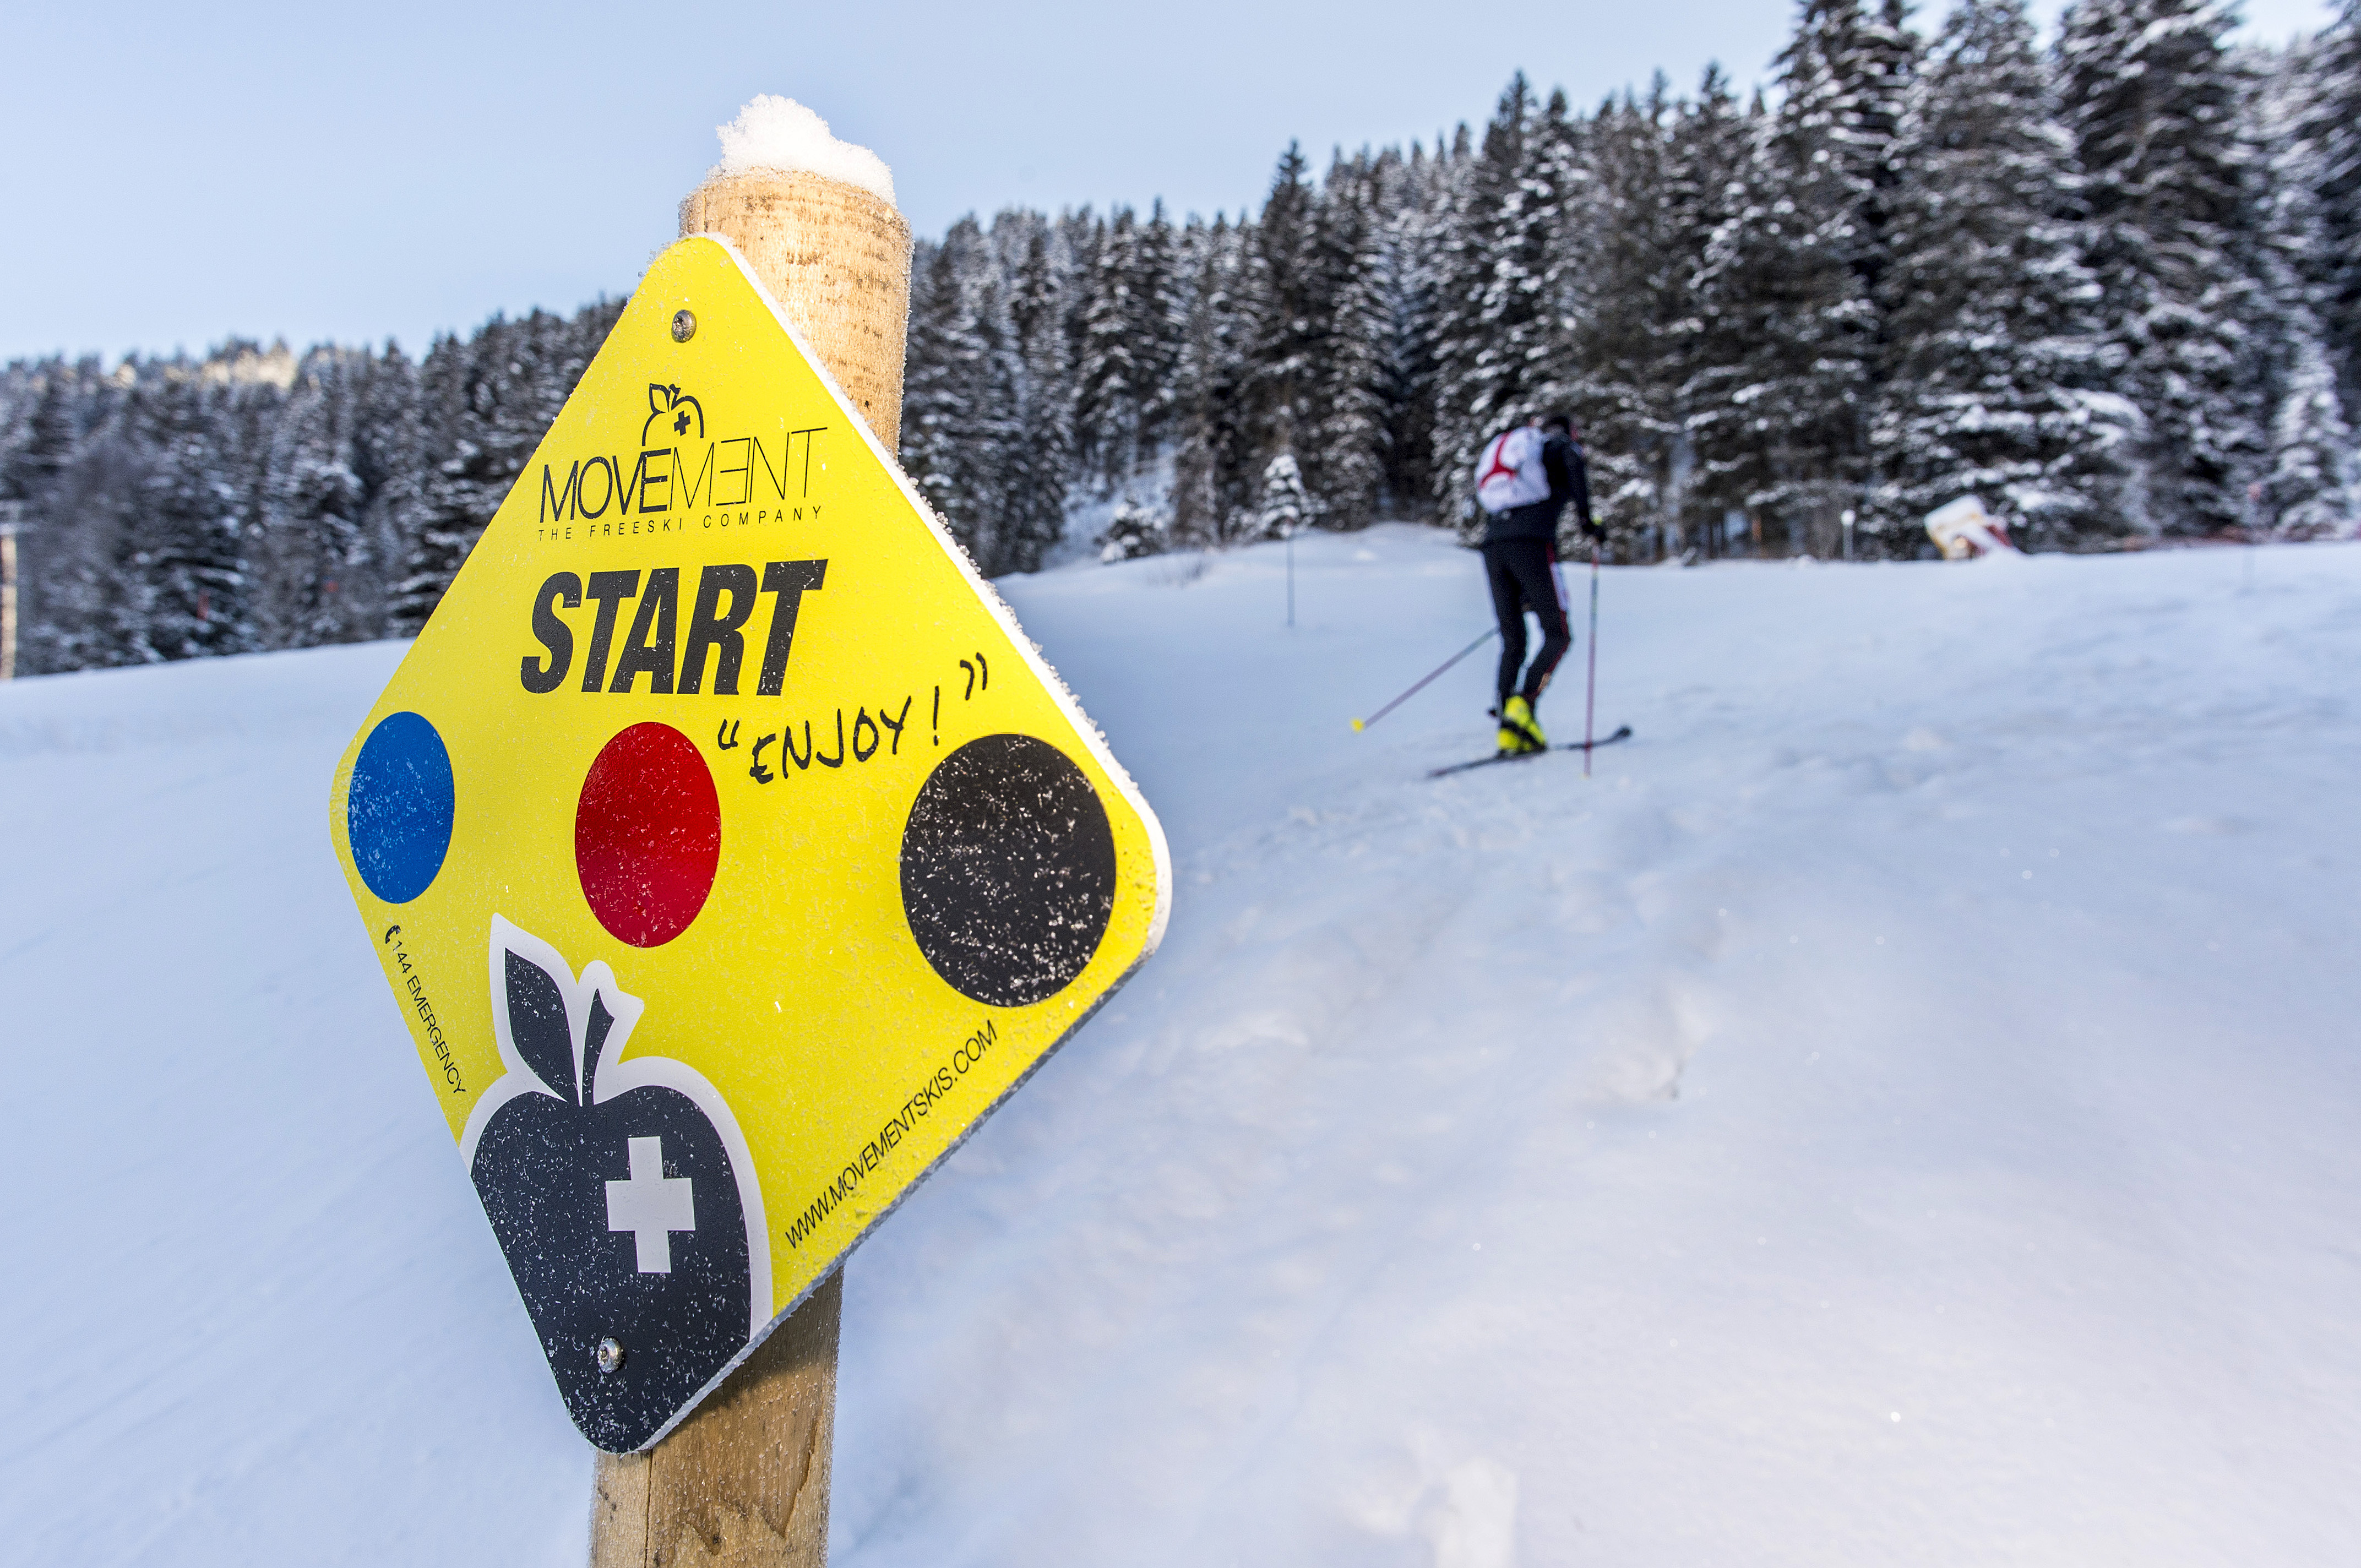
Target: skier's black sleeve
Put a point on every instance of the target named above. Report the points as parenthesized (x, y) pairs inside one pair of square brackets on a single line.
[(1569, 479)]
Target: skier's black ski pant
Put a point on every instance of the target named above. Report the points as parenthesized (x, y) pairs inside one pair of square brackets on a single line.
[(1519, 572)]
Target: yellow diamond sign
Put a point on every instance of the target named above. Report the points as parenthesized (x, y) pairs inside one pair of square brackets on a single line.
[(729, 849)]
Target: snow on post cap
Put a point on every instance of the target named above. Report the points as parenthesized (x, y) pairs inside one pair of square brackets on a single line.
[(771, 132)]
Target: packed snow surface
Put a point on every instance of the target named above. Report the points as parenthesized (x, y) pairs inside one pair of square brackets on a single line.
[(771, 132), (1900, 1110)]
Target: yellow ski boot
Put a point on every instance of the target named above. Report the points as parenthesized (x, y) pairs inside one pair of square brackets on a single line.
[(1520, 731)]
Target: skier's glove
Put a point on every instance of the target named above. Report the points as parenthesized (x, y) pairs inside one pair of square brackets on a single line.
[(1595, 533)]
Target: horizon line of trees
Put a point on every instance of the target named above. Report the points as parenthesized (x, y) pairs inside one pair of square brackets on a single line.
[(2111, 284)]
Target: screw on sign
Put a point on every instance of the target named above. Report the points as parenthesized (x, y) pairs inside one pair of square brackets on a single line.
[(729, 848)]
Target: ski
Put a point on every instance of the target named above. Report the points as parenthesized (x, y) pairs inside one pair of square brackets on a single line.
[(1623, 733)]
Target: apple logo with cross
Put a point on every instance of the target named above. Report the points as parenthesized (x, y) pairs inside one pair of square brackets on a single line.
[(623, 1194)]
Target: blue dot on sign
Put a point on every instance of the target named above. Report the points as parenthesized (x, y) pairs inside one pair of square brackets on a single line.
[(398, 811)]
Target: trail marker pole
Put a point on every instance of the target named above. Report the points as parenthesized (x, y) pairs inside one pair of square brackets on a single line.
[(2254, 533), (583, 842), (1590, 697), (11, 518), (1290, 579)]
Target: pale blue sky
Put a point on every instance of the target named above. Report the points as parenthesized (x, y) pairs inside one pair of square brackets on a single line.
[(179, 174)]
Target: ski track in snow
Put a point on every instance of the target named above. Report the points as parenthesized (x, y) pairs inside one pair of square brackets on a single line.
[(1899, 1110)]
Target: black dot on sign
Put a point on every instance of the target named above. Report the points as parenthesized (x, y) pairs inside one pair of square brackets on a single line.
[(1008, 870)]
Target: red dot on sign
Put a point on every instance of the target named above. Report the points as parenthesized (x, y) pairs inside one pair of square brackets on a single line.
[(647, 835)]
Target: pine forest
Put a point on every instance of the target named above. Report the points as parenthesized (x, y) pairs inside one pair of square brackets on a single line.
[(2108, 281)]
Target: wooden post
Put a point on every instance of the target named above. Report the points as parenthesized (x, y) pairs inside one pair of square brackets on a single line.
[(744, 1480), (838, 260)]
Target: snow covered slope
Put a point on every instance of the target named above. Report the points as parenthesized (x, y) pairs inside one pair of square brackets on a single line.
[(1901, 1111)]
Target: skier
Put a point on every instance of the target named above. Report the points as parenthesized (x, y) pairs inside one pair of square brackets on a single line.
[(1524, 481)]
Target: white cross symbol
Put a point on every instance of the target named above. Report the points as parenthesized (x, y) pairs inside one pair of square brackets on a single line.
[(652, 1205)]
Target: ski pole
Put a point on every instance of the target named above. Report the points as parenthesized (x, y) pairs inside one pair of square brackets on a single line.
[(1422, 680), (1590, 699)]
